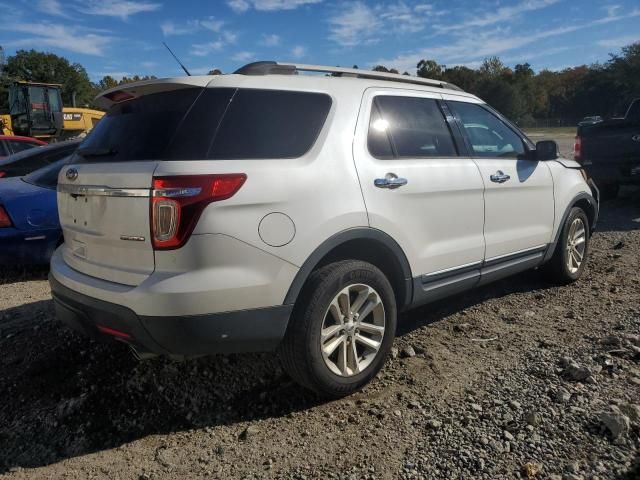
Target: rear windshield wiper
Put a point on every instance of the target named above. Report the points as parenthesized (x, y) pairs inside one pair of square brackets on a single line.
[(96, 152)]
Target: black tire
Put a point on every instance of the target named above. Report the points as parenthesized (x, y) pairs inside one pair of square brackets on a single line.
[(557, 269), (301, 352), (609, 191)]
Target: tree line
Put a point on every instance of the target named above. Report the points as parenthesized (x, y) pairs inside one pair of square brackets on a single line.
[(520, 93)]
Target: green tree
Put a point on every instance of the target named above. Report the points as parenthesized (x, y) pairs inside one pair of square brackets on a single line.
[(50, 68), (430, 69)]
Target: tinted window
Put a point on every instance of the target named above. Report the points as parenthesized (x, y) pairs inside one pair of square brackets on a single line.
[(378, 138), (139, 129), (17, 147), (270, 124), (488, 135), (3, 151), (416, 127), (31, 160), (217, 123)]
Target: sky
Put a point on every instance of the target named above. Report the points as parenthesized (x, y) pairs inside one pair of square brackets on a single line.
[(124, 37)]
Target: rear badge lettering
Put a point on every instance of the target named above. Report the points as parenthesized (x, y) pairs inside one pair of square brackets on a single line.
[(132, 238)]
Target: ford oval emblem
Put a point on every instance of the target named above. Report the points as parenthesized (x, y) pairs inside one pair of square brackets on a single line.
[(71, 174)]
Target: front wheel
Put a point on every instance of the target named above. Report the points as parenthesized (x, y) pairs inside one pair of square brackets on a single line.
[(341, 330), (570, 257)]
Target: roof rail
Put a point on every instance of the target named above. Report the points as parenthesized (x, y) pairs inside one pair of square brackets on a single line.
[(274, 68)]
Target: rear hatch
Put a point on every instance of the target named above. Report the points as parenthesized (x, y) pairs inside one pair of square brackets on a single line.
[(104, 193)]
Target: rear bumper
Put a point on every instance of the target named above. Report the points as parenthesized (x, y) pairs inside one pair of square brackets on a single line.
[(254, 330)]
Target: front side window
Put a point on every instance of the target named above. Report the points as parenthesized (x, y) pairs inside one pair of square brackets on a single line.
[(488, 135), (415, 126)]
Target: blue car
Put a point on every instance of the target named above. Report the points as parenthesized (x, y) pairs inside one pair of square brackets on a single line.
[(29, 226)]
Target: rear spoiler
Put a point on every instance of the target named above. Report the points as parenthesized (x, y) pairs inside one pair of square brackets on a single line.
[(129, 91)]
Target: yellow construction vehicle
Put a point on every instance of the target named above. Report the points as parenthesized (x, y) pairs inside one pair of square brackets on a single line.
[(35, 110)]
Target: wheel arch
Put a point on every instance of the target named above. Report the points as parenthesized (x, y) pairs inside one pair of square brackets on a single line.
[(366, 244), (587, 203)]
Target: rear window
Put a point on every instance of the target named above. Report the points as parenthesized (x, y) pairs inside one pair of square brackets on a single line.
[(210, 123), (28, 161)]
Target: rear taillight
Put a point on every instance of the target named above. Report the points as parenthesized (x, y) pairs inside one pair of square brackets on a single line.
[(3, 174), (577, 149), (5, 221), (177, 202)]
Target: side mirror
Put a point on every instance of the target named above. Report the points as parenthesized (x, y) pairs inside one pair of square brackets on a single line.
[(547, 150)]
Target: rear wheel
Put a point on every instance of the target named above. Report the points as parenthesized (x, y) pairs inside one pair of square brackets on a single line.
[(570, 257), (341, 330)]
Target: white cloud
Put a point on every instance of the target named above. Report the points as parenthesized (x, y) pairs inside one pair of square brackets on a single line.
[(243, 56), (618, 42), (502, 14), (473, 45), (355, 24), (298, 51), (272, 40), (204, 49), (64, 37), (168, 27), (149, 64), (51, 7), (117, 8), (241, 6), (212, 24)]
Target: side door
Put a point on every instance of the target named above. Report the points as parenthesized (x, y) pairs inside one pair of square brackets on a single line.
[(420, 189), (519, 203)]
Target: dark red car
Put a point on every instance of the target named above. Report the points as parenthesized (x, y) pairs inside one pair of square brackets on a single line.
[(12, 144)]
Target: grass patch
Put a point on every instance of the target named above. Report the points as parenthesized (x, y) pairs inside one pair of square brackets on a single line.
[(552, 131)]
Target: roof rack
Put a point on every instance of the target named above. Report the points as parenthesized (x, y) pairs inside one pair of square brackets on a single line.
[(275, 68)]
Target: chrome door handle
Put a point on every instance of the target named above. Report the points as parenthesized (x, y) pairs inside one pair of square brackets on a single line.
[(499, 177), (390, 180)]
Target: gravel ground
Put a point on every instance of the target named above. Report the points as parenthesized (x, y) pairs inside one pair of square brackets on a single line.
[(519, 379)]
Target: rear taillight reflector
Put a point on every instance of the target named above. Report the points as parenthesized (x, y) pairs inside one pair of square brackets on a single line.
[(5, 221), (577, 149), (177, 202), (113, 332)]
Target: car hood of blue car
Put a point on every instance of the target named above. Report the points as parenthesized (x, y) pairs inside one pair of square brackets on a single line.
[(30, 207)]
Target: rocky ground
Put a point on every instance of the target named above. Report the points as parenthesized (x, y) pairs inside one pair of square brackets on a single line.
[(520, 379)]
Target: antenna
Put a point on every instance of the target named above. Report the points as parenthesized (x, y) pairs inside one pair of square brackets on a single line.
[(179, 62)]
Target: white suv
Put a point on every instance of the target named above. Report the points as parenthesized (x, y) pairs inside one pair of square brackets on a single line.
[(268, 210)]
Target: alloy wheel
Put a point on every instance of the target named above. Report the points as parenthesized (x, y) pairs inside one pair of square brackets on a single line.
[(352, 330)]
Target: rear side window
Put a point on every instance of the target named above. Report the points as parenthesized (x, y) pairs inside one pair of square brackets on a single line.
[(270, 124), (489, 136), (416, 128), (210, 123)]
